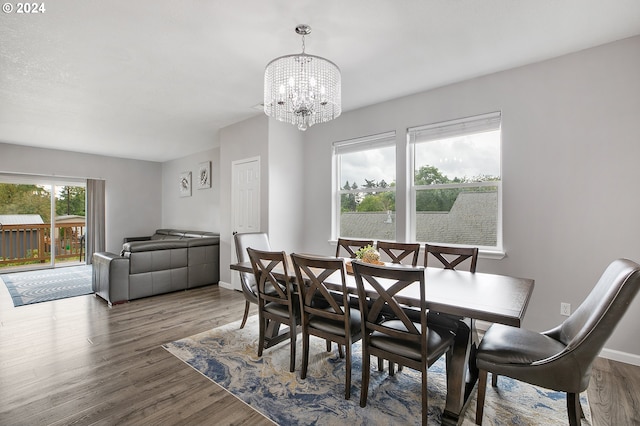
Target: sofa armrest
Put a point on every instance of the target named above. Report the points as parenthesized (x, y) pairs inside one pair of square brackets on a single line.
[(110, 278)]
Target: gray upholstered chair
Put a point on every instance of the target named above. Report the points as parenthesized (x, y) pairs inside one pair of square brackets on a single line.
[(561, 358), (259, 241)]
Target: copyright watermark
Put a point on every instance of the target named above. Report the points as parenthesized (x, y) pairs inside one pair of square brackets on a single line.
[(24, 8)]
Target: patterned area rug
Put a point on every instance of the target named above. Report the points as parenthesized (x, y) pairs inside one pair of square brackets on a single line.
[(227, 356), (45, 285)]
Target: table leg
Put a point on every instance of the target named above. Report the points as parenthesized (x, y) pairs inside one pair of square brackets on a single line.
[(462, 373), (273, 335)]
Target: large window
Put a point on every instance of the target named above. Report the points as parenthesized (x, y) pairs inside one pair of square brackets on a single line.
[(456, 189), (365, 184)]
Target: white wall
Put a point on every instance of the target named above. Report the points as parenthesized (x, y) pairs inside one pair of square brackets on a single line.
[(132, 188), (570, 171), (200, 211), (246, 139), (286, 187)]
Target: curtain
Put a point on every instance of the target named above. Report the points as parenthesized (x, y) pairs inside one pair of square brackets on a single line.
[(95, 237)]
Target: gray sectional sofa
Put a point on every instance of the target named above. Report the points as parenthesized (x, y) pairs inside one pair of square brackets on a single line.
[(167, 261)]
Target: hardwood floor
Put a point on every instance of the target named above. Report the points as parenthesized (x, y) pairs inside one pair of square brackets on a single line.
[(78, 362)]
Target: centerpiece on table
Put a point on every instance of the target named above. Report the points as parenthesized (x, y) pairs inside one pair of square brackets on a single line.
[(367, 254)]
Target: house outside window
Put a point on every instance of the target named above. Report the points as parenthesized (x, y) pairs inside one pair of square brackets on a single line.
[(365, 187), (456, 190)]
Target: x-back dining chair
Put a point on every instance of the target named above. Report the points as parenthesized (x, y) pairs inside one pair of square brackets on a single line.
[(276, 299), (404, 253), (400, 340), (399, 253), (451, 257), (351, 246), (259, 241), (454, 258), (322, 315), (561, 358)]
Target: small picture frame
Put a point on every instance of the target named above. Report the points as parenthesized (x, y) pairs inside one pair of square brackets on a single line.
[(185, 184), (204, 175)]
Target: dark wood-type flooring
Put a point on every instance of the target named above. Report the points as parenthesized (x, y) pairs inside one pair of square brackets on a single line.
[(78, 362)]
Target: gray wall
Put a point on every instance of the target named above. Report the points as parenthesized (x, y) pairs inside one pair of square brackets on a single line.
[(133, 204), (286, 188), (570, 171), (237, 142), (200, 211)]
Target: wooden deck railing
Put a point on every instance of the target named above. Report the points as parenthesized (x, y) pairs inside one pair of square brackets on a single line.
[(31, 243)]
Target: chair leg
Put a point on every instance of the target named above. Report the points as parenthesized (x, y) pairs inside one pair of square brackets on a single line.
[(292, 335), (262, 328), (392, 368), (494, 379), (425, 397), (380, 364), (366, 370), (328, 345), (340, 352), (482, 388), (347, 383), (246, 314), (574, 409), (305, 354)]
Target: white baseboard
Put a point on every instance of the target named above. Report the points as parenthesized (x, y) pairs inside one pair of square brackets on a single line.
[(226, 285), (625, 357)]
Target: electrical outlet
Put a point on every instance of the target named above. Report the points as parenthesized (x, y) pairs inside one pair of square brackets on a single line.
[(565, 309)]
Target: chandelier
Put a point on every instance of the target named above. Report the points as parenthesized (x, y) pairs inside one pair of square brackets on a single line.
[(302, 89)]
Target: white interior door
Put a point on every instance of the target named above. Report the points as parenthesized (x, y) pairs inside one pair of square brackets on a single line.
[(245, 203)]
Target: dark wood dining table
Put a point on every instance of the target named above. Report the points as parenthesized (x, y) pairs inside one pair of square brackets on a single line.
[(478, 296)]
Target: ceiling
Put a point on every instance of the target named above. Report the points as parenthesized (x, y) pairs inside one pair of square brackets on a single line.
[(156, 79)]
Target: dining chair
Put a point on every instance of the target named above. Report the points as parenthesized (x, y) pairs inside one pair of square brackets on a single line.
[(451, 257), (400, 340), (322, 315), (560, 358), (398, 252), (454, 258), (351, 246), (277, 301), (256, 240)]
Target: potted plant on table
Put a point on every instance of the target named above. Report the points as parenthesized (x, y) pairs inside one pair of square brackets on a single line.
[(367, 254)]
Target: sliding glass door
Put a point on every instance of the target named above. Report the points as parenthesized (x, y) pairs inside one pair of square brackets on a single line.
[(42, 222)]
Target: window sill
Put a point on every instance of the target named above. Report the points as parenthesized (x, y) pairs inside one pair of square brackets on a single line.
[(492, 254)]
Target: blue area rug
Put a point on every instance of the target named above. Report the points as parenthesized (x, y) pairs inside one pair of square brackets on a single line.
[(45, 285), (227, 356)]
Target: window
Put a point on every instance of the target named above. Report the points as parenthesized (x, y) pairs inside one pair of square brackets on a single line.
[(456, 190), (364, 187)]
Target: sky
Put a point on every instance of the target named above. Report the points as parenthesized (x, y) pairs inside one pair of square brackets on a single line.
[(464, 156)]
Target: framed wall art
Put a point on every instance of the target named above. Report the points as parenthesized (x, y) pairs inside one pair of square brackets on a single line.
[(204, 175), (185, 184)]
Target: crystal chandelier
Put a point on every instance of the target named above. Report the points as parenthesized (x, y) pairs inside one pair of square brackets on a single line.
[(302, 89)]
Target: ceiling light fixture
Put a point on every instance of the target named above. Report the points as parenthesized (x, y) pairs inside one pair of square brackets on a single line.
[(302, 89)]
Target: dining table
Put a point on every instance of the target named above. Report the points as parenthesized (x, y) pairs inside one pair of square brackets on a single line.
[(475, 295)]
